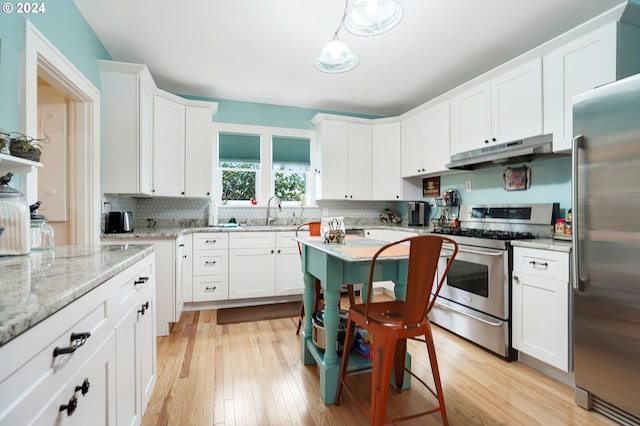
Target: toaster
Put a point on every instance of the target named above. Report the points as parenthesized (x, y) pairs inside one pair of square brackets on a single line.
[(118, 222)]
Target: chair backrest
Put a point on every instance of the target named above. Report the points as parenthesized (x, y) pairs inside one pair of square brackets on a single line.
[(314, 231), (424, 254)]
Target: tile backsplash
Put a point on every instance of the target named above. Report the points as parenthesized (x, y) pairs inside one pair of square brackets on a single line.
[(191, 212)]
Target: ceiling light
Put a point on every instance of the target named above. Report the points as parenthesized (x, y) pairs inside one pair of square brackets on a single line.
[(336, 57), (372, 17)]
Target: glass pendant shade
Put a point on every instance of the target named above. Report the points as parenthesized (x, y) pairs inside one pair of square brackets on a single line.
[(336, 57), (372, 17)]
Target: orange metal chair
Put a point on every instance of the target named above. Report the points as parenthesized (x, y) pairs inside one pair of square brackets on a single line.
[(392, 323), (314, 231)]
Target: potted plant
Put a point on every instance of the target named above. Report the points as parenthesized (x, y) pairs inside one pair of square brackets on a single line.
[(26, 147)]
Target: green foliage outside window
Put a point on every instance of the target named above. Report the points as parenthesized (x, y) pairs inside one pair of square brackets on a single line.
[(290, 186), (239, 182)]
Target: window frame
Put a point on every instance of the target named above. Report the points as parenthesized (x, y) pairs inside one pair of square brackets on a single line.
[(265, 176)]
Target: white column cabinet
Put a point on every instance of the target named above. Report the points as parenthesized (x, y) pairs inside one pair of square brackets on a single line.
[(169, 147), (344, 161), (412, 145), (386, 162), (597, 58), (198, 150), (505, 108), (126, 148), (541, 305)]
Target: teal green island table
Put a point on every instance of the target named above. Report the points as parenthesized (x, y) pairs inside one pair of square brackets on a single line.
[(335, 265)]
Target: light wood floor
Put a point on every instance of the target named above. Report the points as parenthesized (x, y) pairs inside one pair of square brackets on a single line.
[(252, 374)]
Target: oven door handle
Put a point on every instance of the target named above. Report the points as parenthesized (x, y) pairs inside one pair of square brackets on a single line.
[(470, 251), (496, 323)]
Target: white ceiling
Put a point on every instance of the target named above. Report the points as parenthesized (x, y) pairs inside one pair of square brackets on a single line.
[(263, 50)]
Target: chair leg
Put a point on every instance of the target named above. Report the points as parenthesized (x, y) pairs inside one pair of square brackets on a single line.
[(398, 362), (436, 375), (380, 378), (352, 296), (348, 343), (300, 317)]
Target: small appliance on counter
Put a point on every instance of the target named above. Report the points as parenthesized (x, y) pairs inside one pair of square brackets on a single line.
[(418, 213), (118, 222), (14, 219), (42, 234)]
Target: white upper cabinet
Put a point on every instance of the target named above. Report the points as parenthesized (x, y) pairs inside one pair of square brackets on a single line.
[(505, 108), (387, 180), (127, 128), (344, 162), (168, 153), (426, 141), (198, 150), (587, 62)]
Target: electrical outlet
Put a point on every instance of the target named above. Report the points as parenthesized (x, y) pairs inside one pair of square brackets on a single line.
[(468, 186)]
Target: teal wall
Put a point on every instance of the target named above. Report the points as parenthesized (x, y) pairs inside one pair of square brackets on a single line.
[(550, 183), (266, 114), (63, 25)]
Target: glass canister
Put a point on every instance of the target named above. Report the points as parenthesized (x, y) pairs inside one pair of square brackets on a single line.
[(42, 237), (14, 217)]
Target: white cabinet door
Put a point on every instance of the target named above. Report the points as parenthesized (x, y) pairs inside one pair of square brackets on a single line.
[(331, 174), (198, 151), (187, 269), (437, 138), (573, 68), (127, 128), (251, 273), (412, 141), (386, 162), (178, 287), (516, 99), (541, 318), (146, 346), (471, 118), (541, 305), (168, 151), (359, 155), (288, 272), (127, 373)]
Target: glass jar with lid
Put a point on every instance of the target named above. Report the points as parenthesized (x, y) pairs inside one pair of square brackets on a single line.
[(14, 217), (42, 236)]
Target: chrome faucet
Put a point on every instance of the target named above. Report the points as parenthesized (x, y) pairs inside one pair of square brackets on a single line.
[(269, 218)]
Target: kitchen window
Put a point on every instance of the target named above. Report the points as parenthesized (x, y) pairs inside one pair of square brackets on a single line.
[(259, 162)]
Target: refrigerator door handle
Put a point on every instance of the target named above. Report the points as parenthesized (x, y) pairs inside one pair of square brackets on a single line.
[(578, 280)]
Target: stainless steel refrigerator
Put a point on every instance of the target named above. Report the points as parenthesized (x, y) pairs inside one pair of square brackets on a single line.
[(606, 249)]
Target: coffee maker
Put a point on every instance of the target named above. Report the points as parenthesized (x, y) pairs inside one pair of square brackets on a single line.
[(418, 213)]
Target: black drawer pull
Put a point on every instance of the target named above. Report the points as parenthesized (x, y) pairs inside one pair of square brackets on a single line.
[(141, 280), (210, 288), (207, 262), (210, 241), (71, 406), (534, 263), (77, 340), (143, 308), (84, 387)]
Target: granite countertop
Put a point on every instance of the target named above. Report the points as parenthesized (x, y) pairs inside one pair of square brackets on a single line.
[(544, 244), (174, 232), (35, 286)]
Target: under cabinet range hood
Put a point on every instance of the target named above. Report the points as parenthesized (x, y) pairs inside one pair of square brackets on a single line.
[(519, 151)]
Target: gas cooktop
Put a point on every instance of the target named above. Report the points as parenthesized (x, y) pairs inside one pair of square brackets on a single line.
[(485, 233)]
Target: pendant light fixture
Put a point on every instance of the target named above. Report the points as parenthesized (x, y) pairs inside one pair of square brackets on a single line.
[(336, 56), (372, 17), (366, 18)]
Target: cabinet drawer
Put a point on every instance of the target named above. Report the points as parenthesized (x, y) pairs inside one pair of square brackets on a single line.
[(28, 360), (211, 240), (542, 263), (210, 262), (131, 289), (284, 239), (252, 240), (213, 287)]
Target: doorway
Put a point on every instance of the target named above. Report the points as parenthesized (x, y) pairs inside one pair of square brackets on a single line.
[(45, 66)]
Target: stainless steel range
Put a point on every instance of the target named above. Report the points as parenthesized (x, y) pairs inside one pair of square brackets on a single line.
[(475, 301)]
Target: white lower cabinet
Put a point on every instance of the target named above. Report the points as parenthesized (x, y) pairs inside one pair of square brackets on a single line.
[(107, 379), (541, 305), (251, 264), (288, 265)]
